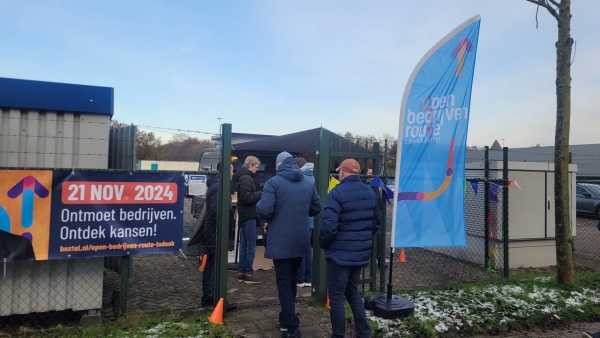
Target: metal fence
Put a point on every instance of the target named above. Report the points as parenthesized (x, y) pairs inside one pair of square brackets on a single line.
[(586, 241), (41, 294), (416, 268)]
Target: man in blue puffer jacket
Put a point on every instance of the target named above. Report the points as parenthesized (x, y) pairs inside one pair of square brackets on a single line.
[(287, 201), (350, 220)]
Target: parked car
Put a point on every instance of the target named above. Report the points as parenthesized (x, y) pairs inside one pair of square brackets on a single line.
[(390, 183), (588, 198)]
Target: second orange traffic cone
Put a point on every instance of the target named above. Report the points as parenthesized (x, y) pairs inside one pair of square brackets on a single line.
[(203, 264), (217, 316), (402, 256)]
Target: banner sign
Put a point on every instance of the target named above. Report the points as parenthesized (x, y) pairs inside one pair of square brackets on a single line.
[(434, 119), (47, 214), (197, 185)]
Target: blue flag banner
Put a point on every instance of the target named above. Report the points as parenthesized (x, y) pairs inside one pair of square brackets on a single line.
[(377, 182), (434, 120), (475, 186)]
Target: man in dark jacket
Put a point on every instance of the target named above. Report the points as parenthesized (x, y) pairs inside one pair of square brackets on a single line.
[(247, 197), (287, 202), (206, 237), (350, 220)]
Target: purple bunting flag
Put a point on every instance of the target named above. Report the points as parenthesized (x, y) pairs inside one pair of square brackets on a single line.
[(494, 191)]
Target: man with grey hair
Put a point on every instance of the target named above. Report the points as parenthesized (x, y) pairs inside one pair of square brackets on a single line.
[(287, 202)]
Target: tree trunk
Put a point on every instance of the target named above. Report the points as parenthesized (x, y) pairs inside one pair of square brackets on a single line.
[(564, 240)]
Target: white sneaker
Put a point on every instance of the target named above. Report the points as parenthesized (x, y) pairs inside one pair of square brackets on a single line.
[(307, 284), (300, 285)]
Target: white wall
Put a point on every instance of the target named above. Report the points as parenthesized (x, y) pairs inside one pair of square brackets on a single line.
[(168, 165)]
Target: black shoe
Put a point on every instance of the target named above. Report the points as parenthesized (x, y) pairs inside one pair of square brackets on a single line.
[(591, 335), (281, 327), (230, 306), (295, 334)]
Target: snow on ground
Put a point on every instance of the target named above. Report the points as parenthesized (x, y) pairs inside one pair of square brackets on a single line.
[(491, 305)]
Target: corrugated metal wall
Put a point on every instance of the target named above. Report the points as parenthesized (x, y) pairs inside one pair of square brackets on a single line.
[(34, 139), (122, 148), (41, 286)]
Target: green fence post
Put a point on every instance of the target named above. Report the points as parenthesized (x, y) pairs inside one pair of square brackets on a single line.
[(375, 252), (124, 270), (505, 209), (383, 226), (224, 205), (486, 208), (572, 239), (322, 164)]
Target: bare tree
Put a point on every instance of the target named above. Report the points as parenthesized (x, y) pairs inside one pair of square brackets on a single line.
[(561, 11)]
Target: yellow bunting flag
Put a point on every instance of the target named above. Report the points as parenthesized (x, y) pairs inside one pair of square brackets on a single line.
[(332, 183)]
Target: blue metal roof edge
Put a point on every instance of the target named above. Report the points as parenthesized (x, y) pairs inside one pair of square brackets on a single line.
[(54, 96)]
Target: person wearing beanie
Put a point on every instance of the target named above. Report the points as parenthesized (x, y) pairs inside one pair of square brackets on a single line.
[(350, 220), (287, 202), (282, 156)]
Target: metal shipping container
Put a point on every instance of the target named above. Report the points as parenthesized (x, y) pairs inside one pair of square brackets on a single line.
[(53, 125)]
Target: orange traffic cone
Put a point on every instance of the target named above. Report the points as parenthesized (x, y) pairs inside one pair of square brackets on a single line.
[(491, 233), (327, 304), (217, 315), (402, 256), (203, 264)]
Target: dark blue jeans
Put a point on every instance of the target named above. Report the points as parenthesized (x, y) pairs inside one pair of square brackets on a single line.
[(286, 274), (247, 247), (342, 281), (305, 268)]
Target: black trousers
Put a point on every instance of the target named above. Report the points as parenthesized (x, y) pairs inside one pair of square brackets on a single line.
[(286, 273), (209, 277)]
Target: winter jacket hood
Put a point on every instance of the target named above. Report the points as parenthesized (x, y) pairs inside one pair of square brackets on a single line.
[(287, 202), (289, 170)]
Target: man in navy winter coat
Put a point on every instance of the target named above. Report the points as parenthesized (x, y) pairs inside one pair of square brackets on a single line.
[(350, 220), (287, 202)]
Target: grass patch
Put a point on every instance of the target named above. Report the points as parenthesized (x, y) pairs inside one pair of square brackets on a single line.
[(138, 325), (520, 302)]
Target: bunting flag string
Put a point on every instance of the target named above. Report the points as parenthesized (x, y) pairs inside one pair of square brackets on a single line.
[(493, 188), (376, 182)]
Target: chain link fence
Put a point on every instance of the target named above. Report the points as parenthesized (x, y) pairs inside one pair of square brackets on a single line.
[(586, 240), (416, 268), (186, 281)]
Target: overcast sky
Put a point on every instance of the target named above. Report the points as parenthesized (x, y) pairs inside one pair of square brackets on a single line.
[(275, 67)]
